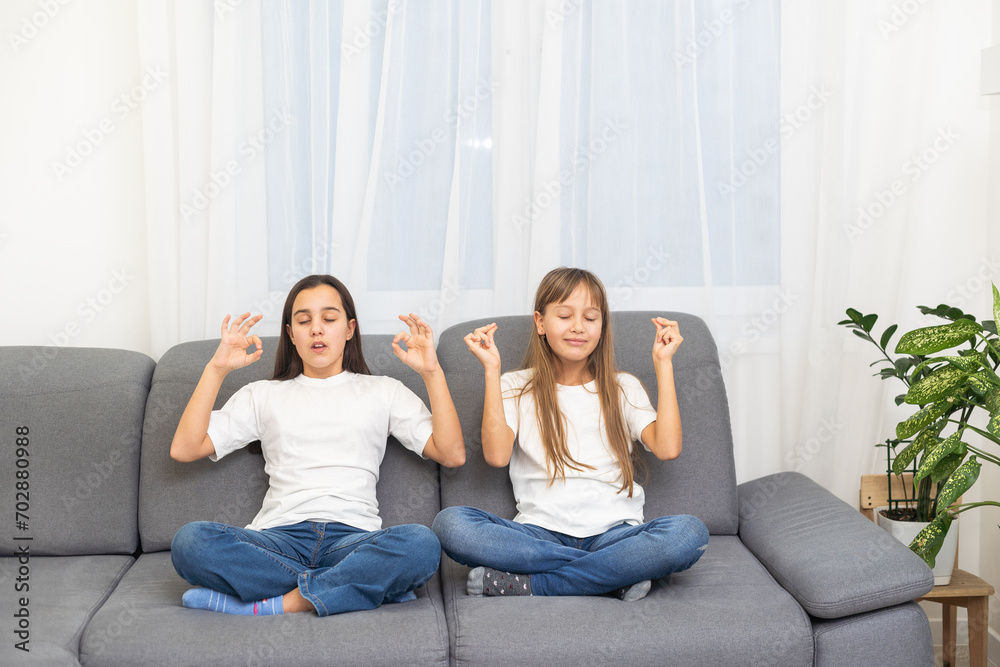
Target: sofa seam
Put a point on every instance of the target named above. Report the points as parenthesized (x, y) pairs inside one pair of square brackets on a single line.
[(78, 636)]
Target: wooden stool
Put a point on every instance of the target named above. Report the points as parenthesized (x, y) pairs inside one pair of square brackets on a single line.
[(965, 589)]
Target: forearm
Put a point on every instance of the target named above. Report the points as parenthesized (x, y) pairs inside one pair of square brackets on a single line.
[(189, 438), (667, 437), (447, 429), (498, 438)]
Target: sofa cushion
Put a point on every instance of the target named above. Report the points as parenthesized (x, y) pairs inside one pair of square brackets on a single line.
[(82, 409), (725, 610), (231, 490), (823, 551), (143, 623), (901, 631), (702, 481), (63, 594)]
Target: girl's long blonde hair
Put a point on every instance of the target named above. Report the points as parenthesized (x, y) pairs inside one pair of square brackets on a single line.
[(556, 287)]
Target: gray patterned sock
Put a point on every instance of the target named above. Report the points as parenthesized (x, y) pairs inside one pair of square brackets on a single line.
[(488, 582), (634, 592)]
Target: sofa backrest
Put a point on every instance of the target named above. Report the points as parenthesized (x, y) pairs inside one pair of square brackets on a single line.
[(701, 482), (231, 490), (70, 424)]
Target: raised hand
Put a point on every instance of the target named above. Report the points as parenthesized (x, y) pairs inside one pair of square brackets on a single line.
[(668, 339), (482, 345), (232, 353), (419, 353)]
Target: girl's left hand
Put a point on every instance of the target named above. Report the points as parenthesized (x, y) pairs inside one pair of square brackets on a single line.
[(419, 353), (668, 339)]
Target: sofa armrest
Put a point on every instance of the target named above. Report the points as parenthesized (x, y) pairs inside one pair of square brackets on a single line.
[(824, 552)]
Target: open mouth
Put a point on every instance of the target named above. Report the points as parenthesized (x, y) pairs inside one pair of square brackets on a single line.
[(318, 347)]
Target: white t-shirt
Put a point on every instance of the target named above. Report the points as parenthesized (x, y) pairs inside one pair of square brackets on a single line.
[(323, 440), (587, 502)]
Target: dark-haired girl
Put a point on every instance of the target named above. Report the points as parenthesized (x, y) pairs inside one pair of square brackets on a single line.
[(317, 543)]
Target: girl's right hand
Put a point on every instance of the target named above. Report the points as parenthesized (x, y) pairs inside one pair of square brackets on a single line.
[(481, 344), (232, 352)]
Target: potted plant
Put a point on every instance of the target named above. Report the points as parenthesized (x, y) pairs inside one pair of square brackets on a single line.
[(949, 390)]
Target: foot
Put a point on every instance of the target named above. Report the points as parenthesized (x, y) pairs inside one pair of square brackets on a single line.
[(634, 592), (206, 598), (485, 581)]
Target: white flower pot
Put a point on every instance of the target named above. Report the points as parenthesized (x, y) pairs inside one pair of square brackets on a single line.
[(905, 531)]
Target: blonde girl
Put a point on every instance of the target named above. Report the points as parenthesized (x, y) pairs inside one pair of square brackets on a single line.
[(565, 424)]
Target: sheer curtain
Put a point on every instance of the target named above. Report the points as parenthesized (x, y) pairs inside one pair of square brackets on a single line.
[(440, 157)]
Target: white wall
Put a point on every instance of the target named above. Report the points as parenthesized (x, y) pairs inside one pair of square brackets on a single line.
[(989, 518), (72, 243)]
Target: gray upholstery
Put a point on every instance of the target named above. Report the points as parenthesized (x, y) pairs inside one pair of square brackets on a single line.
[(701, 482), (64, 593), (83, 409), (891, 637), (726, 610), (161, 631), (787, 520)]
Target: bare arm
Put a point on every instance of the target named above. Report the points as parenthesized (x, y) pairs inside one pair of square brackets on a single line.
[(498, 437), (664, 436), (191, 441), (446, 444)]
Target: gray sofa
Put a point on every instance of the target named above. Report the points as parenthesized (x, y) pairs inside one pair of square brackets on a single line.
[(792, 575)]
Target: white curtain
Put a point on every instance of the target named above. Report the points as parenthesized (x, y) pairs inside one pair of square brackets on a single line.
[(708, 157), (883, 208)]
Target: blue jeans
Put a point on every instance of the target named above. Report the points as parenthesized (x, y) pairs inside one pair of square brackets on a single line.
[(561, 564), (336, 567)]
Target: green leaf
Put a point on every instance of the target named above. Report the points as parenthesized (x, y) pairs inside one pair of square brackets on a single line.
[(994, 426), (927, 440), (990, 326), (933, 458), (996, 304), (929, 340), (993, 400), (861, 334), (921, 419), (928, 541), (868, 321), (854, 315), (949, 464), (979, 384), (961, 481), (888, 335), (935, 386)]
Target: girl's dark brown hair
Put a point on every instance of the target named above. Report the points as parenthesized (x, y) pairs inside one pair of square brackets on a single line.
[(287, 362)]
